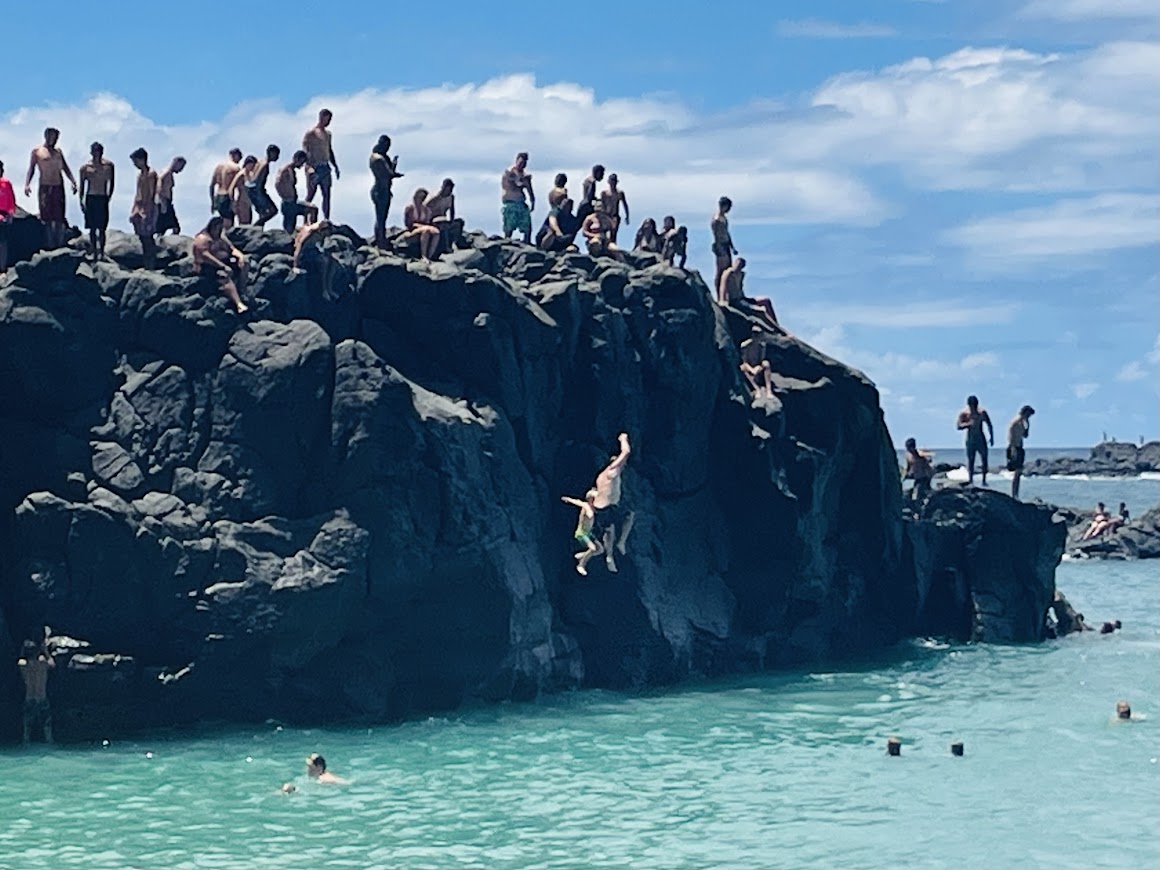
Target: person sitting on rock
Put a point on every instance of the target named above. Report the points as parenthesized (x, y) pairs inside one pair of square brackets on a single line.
[(441, 208), (597, 229), (316, 770), (559, 191), (166, 215), (286, 186), (143, 216), (1099, 524), (731, 293), (1118, 519), (211, 248), (675, 242), (648, 240), (516, 183), (611, 202), (558, 234), (7, 215), (755, 367), (420, 225), (613, 523), (919, 469), (34, 665), (583, 533)]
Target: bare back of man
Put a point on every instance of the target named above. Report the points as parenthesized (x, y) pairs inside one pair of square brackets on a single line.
[(221, 185)]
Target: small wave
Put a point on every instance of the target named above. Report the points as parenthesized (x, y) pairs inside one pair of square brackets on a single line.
[(1106, 478)]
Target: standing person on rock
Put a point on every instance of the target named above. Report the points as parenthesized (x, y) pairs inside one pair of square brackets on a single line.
[(240, 190), (319, 147), (286, 186), (256, 187), (588, 198), (34, 664), (166, 215), (517, 190), (50, 194), (611, 201), (1019, 429), (613, 523), (918, 469), (971, 420), (7, 214), (143, 216), (221, 184), (384, 169), (96, 188), (723, 247), (675, 242)]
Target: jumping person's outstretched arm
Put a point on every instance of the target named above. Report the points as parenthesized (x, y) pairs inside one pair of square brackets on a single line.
[(625, 451)]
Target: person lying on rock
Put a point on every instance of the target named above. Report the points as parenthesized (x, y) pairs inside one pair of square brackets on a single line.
[(558, 234), (648, 240), (597, 229), (755, 367), (1100, 523), (918, 469), (613, 523), (583, 533), (421, 225), (675, 242), (211, 248), (34, 664), (316, 770), (731, 293)]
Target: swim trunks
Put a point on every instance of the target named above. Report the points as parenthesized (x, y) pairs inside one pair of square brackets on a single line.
[(96, 212), (223, 205), (291, 211), (51, 199), (584, 538), (167, 219), (516, 216), (612, 516), (1016, 456), (260, 200), (145, 222), (322, 175)]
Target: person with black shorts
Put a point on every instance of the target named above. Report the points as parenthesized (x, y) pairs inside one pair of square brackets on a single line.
[(1019, 429)]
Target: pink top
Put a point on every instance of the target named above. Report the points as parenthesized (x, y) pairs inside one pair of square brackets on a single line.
[(7, 197)]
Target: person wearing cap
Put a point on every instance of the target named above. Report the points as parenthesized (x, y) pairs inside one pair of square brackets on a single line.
[(316, 770), (1019, 429)]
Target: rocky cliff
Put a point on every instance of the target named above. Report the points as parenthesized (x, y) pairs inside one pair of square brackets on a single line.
[(347, 505), (1109, 459)]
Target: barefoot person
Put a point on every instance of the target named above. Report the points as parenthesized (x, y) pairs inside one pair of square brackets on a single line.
[(256, 187), (221, 183), (211, 249), (384, 169), (420, 225), (731, 293), (755, 367), (648, 240), (918, 469), (7, 215), (589, 200), (441, 210), (1017, 431), (676, 242), (49, 160), (319, 147), (34, 664), (613, 522), (96, 187), (143, 215), (723, 248), (166, 214), (597, 231), (517, 190), (971, 420), (558, 233), (286, 186), (611, 201), (240, 191), (559, 191), (583, 533), (316, 770)]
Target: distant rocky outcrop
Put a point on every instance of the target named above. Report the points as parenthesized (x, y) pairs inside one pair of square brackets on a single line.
[(347, 505), (1109, 459)]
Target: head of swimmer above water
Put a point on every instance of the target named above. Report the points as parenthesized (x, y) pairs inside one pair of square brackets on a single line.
[(315, 765), (1123, 710)]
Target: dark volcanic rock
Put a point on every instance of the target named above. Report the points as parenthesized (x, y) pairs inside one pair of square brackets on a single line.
[(1138, 539), (349, 506), (1110, 459)]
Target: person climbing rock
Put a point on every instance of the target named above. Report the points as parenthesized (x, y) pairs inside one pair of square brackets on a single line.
[(918, 469), (211, 248)]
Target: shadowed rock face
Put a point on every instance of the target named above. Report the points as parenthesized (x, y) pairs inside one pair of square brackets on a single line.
[(348, 505)]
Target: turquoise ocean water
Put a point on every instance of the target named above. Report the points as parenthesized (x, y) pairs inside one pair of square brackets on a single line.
[(784, 770)]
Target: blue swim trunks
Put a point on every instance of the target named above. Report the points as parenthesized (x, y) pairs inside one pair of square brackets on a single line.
[(322, 175), (516, 216)]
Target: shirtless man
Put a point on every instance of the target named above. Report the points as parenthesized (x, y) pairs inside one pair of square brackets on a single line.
[(7, 213), (221, 183), (972, 419), (517, 190), (319, 147), (316, 770), (240, 191), (588, 198), (441, 209), (583, 533), (286, 186), (918, 469), (1017, 431), (50, 196), (559, 191), (34, 665), (755, 367), (723, 248), (384, 169), (143, 215), (731, 293), (611, 201), (212, 249), (97, 178), (597, 230), (609, 514), (166, 215), (675, 242), (256, 186)]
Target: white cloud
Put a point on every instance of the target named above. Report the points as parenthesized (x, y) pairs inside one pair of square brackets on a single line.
[(1084, 389), (1133, 371), (1065, 228), (909, 315), (816, 28), (892, 367), (1086, 10)]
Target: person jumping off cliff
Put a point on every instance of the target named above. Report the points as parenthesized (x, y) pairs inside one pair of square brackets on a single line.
[(613, 523), (583, 533), (1019, 429), (34, 664), (972, 419)]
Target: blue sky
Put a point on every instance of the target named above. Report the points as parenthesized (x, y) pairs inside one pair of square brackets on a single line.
[(953, 196)]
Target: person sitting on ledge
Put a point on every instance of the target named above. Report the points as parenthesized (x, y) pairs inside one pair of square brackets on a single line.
[(918, 469), (583, 533), (1100, 523), (420, 225), (597, 229), (558, 234), (755, 367), (559, 191), (648, 240), (675, 242), (316, 770), (731, 293), (211, 248), (286, 186), (441, 207), (1118, 519)]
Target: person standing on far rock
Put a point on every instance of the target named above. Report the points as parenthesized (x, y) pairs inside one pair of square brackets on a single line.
[(220, 184), (256, 187), (50, 196), (166, 215), (96, 187), (723, 248), (384, 169), (611, 201), (211, 248), (517, 190), (143, 216), (34, 665), (588, 197), (286, 186), (319, 147), (1018, 430), (971, 420), (7, 214), (240, 191), (613, 523)]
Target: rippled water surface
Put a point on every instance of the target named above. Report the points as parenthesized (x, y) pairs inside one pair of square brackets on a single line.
[(771, 771)]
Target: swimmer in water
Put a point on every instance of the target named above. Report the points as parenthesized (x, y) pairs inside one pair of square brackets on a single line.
[(316, 770), (1124, 713), (288, 788)]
